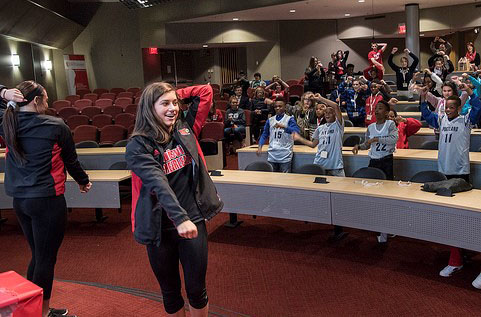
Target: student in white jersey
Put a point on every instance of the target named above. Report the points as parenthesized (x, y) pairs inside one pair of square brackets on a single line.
[(453, 154), (381, 139), (279, 130), (328, 139)]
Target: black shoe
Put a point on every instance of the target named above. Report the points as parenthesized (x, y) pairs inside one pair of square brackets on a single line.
[(53, 312)]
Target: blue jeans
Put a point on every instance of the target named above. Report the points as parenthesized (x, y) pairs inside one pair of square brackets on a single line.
[(235, 133), (282, 167)]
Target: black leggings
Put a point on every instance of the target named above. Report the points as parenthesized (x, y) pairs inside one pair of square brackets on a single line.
[(192, 254), (43, 222)]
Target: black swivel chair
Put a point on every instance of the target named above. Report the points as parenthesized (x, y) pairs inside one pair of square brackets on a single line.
[(312, 169), (352, 140), (369, 172), (430, 145), (260, 166)]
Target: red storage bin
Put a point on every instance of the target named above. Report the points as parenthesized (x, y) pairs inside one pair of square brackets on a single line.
[(19, 295)]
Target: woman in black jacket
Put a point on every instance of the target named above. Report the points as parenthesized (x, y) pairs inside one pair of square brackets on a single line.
[(315, 76), (405, 73), (40, 148), (172, 193)]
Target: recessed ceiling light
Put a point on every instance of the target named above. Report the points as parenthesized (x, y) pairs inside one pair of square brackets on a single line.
[(361, 1), (205, 46), (292, 11), (347, 15), (235, 19)]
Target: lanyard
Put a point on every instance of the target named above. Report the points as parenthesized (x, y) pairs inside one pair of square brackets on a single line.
[(371, 103)]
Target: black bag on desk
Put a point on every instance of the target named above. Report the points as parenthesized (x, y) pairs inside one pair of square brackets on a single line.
[(455, 185)]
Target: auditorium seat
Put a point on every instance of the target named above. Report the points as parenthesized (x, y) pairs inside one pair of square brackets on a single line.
[(428, 176), (103, 103), (107, 95), (137, 100), (113, 110), (292, 82), (100, 91), (352, 140), (180, 86), (313, 169), (86, 145), (82, 92), (430, 145), (72, 98), (125, 120), (130, 130), (133, 90), (125, 94), (51, 112), (212, 130), (59, 104), (119, 166), (91, 96), (77, 120), (215, 86), (138, 93), (260, 166), (121, 143), (369, 172), (250, 92), (132, 109), (216, 97), (221, 104), (116, 91), (91, 111), (123, 102), (85, 133), (67, 112), (82, 103), (296, 91), (112, 133), (101, 120)]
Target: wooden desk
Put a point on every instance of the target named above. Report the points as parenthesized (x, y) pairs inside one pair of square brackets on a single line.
[(407, 162), (104, 192), (387, 207)]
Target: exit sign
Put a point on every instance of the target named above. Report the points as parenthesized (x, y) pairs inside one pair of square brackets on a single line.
[(153, 50), (401, 28)]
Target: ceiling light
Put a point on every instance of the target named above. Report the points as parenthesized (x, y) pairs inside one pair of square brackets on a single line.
[(205, 46), (235, 19), (47, 65), (292, 11), (361, 1), (15, 60), (347, 15)]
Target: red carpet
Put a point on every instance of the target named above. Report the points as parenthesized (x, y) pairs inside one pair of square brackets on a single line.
[(264, 268)]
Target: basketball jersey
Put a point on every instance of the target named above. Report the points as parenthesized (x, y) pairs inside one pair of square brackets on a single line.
[(380, 150), (329, 149), (454, 142), (280, 142)]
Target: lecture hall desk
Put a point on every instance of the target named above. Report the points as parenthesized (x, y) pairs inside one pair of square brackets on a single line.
[(407, 162), (387, 207)]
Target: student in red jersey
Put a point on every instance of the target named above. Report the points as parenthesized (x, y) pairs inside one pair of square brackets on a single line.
[(172, 193), (39, 149), (375, 58), (406, 127)]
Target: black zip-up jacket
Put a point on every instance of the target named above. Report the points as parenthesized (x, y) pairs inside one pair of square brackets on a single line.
[(149, 182), (49, 151), (408, 72)]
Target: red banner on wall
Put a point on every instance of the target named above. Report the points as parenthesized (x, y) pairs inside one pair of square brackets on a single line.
[(76, 71)]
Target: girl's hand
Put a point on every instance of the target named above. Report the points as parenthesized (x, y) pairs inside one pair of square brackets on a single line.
[(85, 188), (187, 230)]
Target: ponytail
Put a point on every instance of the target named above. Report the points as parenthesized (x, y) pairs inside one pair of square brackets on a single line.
[(30, 90)]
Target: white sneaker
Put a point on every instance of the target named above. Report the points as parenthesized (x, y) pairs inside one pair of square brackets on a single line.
[(450, 270), (477, 282), (382, 238)]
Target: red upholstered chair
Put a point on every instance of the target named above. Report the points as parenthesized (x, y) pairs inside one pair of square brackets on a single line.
[(125, 119), (123, 102), (116, 91), (82, 92), (82, 103), (296, 90), (108, 95), (225, 96), (113, 110), (67, 112), (137, 100), (215, 86), (125, 94), (91, 111), (292, 82), (130, 130), (250, 92), (216, 96), (51, 112), (132, 109), (248, 117), (72, 98), (100, 91), (91, 96), (85, 133), (179, 86), (59, 104), (138, 93), (133, 90), (221, 104), (112, 133), (212, 130), (77, 120), (103, 103), (101, 120)]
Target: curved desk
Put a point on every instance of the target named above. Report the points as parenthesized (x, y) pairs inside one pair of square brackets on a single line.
[(387, 207), (407, 162)]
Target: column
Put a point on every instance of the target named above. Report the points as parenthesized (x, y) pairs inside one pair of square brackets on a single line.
[(412, 28)]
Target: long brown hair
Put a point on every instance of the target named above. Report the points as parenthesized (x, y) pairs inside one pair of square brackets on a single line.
[(147, 122), (30, 90)]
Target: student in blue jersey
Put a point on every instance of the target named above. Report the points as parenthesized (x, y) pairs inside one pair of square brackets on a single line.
[(453, 154), (279, 130), (381, 139)]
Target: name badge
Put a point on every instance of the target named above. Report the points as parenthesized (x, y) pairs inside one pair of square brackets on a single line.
[(405, 85), (355, 114), (369, 117), (323, 154)]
